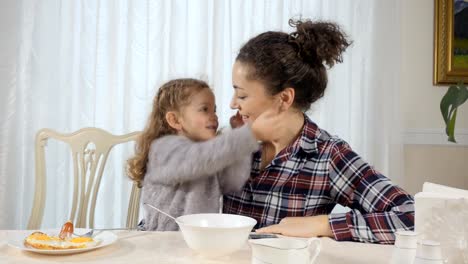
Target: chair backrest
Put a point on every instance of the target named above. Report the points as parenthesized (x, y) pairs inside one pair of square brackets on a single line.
[(90, 148)]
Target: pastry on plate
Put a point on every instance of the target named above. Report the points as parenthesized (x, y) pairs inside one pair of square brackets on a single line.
[(64, 240)]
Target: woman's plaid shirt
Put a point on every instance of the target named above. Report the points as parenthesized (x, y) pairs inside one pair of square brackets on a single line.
[(313, 174)]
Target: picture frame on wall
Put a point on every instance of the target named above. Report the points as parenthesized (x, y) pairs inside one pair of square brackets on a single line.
[(450, 42)]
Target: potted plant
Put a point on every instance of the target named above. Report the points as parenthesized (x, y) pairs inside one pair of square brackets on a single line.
[(456, 95)]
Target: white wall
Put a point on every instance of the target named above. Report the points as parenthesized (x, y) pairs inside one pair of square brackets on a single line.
[(428, 156)]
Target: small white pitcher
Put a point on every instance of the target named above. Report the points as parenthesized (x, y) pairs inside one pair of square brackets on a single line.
[(284, 250)]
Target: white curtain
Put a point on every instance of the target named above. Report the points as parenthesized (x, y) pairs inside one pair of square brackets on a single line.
[(72, 64)]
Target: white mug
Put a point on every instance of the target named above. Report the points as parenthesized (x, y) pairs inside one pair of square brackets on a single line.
[(428, 252), (406, 239), (285, 250), (404, 250), (427, 261)]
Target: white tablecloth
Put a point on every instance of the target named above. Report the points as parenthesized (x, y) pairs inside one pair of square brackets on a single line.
[(169, 247)]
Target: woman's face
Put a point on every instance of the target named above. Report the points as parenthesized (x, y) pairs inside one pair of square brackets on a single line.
[(250, 96)]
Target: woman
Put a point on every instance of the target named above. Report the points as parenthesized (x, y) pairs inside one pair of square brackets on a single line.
[(301, 172)]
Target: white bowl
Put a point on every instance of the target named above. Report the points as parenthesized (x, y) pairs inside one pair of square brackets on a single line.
[(215, 235)]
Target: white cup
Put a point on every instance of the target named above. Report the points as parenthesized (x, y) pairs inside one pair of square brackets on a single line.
[(405, 247), (429, 252), (406, 239), (427, 261), (285, 250)]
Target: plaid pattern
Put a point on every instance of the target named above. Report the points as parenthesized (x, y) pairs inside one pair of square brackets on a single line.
[(314, 173)]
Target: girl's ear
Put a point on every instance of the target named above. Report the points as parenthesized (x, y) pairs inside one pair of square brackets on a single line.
[(172, 119), (286, 98)]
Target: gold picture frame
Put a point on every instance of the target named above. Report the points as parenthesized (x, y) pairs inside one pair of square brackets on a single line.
[(450, 62)]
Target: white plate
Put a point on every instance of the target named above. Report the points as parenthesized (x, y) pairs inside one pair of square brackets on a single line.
[(16, 240)]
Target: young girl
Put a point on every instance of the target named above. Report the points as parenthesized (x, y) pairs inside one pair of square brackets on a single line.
[(183, 166)]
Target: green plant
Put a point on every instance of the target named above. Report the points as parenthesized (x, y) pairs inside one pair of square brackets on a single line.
[(455, 96)]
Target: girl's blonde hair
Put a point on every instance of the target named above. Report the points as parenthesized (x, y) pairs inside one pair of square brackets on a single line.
[(171, 96)]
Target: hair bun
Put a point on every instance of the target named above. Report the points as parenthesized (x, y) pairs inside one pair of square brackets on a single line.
[(318, 42)]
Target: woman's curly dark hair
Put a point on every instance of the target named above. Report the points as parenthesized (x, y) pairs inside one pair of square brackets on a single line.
[(296, 60)]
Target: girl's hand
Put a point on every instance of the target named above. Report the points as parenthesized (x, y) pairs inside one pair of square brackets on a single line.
[(236, 120), (267, 126), (306, 226)]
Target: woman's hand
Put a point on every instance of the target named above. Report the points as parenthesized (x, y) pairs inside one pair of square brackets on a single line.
[(306, 226)]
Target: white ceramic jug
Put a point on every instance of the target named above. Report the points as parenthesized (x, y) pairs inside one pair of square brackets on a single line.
[(429, 252), (405, 247), (284, 250)]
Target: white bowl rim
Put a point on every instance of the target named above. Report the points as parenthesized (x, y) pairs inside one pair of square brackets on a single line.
[(253, 222)]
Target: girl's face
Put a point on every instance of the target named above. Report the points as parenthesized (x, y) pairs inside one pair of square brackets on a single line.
[(198, 119), (250, 96)]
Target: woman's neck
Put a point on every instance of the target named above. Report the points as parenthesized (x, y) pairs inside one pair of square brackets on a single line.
[(292, 126)]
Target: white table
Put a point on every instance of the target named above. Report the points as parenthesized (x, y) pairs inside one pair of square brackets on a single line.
[(169, 247)]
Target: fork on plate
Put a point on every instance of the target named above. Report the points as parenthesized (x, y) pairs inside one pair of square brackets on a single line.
[(91, 232)]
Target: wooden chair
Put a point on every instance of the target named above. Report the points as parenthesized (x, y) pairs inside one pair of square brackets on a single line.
[(90, 148)]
